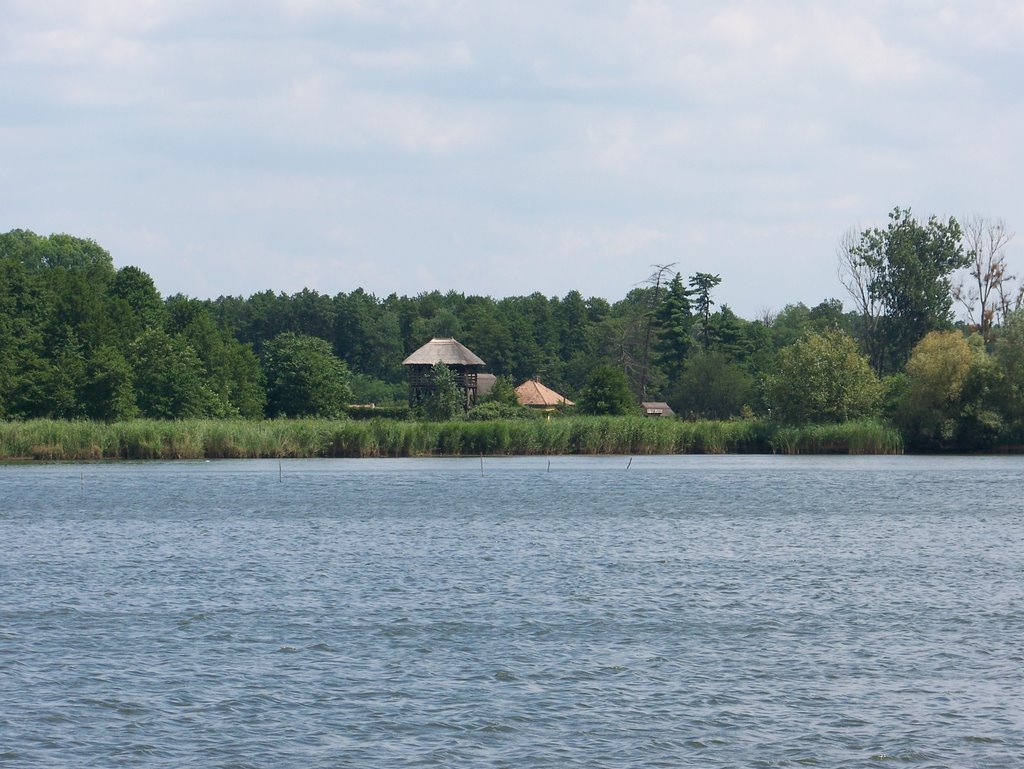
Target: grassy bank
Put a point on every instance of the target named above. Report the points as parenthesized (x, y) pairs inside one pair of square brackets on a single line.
[(222, 439)]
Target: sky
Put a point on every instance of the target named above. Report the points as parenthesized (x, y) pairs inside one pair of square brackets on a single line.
[(503, 148)]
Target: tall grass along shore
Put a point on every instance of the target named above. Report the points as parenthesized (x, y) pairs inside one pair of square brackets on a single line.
[(224, 439)]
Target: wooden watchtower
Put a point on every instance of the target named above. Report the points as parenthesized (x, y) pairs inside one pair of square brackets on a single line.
[(462, 362)]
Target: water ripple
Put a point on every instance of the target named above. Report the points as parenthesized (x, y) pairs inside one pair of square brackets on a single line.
[(695, 611)]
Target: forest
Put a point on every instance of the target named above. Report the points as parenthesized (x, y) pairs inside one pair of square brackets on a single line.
[(81, 339)]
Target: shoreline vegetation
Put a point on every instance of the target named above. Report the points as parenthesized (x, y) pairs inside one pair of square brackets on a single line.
[(144, 439), (81, 340)]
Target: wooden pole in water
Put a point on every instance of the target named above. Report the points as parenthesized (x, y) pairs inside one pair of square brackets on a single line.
[(481, 464), (629, 463), (280, 472)]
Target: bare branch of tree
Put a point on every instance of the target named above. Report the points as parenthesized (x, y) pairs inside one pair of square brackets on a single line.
[(857, 277), (986, 288), (766, 316)]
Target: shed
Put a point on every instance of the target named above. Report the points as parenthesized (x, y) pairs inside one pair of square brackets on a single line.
[(657, 409), (462, 362)]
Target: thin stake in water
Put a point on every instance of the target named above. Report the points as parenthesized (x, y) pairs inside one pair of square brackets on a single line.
[(629, 463)]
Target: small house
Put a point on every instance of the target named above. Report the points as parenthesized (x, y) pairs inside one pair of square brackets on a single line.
[(533, 394), (657, 409)]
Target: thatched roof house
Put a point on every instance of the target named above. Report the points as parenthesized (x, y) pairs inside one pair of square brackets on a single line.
[(533, 393), (447, 351), (462, 361)]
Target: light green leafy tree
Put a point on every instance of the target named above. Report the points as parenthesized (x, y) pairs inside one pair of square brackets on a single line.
[(823, 378), (953, 394)]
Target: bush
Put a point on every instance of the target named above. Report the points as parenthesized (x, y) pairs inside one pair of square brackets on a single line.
[(490, 410)]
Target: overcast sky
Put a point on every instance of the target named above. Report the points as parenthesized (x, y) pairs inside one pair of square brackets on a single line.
[(504, 147)]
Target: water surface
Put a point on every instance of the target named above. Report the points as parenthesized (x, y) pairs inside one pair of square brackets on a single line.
[(515, 612)]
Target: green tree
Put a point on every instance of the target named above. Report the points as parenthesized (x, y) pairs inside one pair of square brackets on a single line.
[(789, 325), (169, 381), (65, 378), (438, 316), (728, 333), (675, 328), (304, 378), (501, 402), (26, 310), (366, 389), (572, 319), (368, 336), (1009, 355), (829, 315), (701, 285), (445, 400), (823, 378), (258, 319), (232, 369), (313, 314), (711, 386), (502, 392), (58, 252), (489, 333), (908, 267), (607, 392), (75, 274), (621, 340), (109, 392), (952, 395), (133, 305)]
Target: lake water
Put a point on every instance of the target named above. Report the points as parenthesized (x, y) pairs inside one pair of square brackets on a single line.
[(514, 612)]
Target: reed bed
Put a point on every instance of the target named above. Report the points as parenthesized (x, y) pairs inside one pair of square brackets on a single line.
[(239, 439), (858, 437)]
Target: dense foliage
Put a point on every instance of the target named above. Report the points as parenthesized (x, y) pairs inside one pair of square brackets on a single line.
[(823, 378), (81, 339), (606, 393)]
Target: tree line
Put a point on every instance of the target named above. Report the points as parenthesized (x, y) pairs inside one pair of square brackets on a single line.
[(80, 338)]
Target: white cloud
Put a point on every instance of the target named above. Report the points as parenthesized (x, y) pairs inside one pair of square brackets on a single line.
[(735, 26), (519, 145)]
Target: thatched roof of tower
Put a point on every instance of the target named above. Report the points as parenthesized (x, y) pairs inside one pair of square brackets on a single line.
[(533, 393), (447, 351)]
